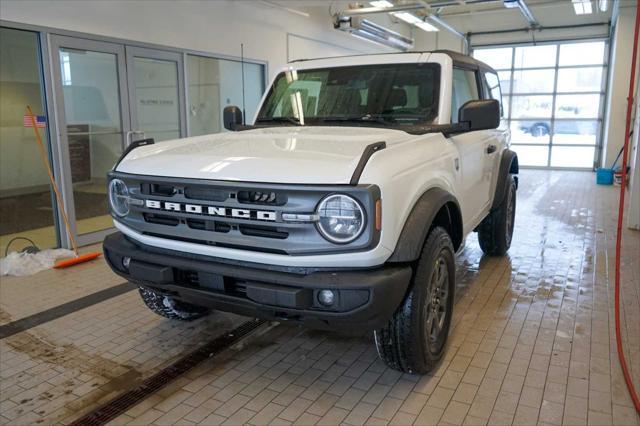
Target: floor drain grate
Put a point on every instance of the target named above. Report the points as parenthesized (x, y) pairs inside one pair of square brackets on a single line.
[(122, 403)]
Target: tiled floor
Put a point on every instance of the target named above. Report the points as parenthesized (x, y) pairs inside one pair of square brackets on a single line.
[(532, 341)]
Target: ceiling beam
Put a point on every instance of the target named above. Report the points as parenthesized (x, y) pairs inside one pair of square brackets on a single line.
[(524, 9)]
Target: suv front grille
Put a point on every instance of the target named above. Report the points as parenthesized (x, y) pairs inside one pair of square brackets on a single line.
[(238, 215), (265, 198), (160, 219)]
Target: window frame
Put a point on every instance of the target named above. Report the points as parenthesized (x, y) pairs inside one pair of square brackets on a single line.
[(553, 118), (436, 88), (479, 86)]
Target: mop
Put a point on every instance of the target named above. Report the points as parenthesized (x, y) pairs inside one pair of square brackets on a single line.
[(78, 257)]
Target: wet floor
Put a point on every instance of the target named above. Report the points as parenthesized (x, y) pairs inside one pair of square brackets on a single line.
[(532, 341)]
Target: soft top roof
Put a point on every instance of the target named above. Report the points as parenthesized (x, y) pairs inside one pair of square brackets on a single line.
[(459, 59), (465, 61)]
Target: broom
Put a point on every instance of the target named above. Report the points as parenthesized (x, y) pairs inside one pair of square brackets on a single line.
[(78, 258)]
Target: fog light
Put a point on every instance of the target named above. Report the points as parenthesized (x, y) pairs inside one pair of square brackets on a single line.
[(126, 261), (326, 297)]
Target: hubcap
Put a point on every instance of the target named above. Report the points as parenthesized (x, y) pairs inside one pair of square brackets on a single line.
[(437, 299)]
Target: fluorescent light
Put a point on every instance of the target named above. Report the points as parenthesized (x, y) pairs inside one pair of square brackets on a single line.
[(412, 19), (603, 5), (426, 26), (407, 17), (371, 31), (381, 3), (582, 7)]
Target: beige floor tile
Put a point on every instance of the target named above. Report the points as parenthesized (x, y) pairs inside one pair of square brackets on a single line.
[(531, 340)]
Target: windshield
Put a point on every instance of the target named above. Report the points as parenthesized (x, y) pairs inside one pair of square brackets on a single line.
[(389, 94)]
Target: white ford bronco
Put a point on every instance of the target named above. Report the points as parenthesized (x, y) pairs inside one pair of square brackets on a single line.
[(341, 205)]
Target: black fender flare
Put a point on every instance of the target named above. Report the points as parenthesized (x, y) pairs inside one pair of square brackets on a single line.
[(419, 222), (508, 166)]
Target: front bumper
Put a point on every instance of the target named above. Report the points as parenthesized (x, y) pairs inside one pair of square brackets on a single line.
[(364, 299)]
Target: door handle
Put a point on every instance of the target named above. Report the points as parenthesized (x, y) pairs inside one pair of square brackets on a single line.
[(491, 149)]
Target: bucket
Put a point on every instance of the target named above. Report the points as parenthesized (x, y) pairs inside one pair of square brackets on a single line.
[(604, 176)]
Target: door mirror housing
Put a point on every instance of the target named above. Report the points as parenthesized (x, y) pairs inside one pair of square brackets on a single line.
[(480, 114), (232, 117)]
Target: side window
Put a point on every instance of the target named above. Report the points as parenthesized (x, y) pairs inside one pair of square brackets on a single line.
[(465, 88), (493, 88)]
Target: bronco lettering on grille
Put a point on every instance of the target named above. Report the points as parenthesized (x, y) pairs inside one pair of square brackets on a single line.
[(212, 210)]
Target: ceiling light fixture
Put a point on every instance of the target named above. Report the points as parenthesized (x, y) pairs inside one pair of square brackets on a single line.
[(371, 31), (582, 7), (412, 19), (381, 3), (603, 5)]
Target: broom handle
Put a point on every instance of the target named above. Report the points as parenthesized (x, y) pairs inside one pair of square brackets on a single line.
[(43, 155)]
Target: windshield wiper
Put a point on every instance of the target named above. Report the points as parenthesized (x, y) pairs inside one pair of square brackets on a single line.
[(369, 118), (292, 120)]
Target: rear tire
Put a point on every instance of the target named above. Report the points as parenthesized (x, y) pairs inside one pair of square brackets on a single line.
[(414, 339), (496, 230), (169, 308)]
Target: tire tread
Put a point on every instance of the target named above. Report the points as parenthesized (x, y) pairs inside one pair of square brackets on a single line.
[(178, 311), (398, 342)]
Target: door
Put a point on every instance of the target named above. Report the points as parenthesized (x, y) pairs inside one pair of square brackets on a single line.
[(474, 148), (93, 119), (156, 89)]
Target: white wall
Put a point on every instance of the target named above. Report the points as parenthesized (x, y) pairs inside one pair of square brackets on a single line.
[(209, 26), (269, 34), (621, 47)]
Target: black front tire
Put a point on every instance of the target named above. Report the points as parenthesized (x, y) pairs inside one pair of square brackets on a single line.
[(169, 308), (496, 230), (413, 341)]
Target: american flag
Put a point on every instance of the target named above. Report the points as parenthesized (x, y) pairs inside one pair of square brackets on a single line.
[(41, 121)]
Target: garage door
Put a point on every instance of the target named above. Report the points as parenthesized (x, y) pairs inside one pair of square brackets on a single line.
[(553, 96)]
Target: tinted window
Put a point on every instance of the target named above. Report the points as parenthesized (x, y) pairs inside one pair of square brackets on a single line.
[(400, 93), (465, 88)]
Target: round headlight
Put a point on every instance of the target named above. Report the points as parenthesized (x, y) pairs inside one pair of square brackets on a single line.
[(119, 197), (340, 218)]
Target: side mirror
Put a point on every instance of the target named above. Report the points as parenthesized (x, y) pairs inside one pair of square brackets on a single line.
[(232, 117), (480, 115)]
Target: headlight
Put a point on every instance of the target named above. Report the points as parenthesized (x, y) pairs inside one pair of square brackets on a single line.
[(119, 197), (340, 218)]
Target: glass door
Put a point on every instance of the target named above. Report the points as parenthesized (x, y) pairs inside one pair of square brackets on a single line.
[(93, 119), (156, 91), (26, 200)]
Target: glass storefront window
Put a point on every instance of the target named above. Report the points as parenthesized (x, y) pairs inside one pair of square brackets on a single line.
[(26, 205), (157, 98), (217, 83)]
